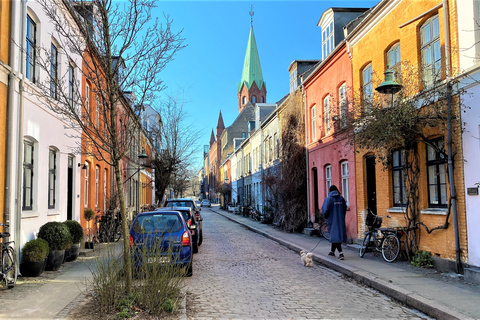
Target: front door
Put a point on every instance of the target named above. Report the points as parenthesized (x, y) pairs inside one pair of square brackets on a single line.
[(371, 184)]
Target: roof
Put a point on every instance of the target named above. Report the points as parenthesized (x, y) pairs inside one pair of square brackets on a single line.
[(252, 71)]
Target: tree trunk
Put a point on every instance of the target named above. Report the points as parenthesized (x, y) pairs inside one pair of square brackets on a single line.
[(125, 231)]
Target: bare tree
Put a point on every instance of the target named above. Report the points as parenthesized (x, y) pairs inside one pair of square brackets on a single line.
[(123, 50), (178, 142)]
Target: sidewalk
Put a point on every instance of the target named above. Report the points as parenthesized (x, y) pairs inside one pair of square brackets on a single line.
[(54, 293), (442, 296)]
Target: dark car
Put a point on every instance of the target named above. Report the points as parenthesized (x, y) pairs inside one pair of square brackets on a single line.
[(186, 202), (167, 228), (192, 224)]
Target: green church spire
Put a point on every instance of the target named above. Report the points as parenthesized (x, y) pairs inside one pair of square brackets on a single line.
[(252, 71)]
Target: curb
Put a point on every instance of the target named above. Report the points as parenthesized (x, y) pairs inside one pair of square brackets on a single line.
[(411, 299)]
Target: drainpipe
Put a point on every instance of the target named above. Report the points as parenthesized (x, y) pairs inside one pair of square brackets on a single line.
[(304, 102), (451, 178)]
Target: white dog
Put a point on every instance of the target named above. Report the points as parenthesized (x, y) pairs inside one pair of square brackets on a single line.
[(306, 258)]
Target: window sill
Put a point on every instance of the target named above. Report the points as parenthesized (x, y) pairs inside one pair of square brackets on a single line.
[(440, 211), (397, 210), (29, 214), (53, 213)]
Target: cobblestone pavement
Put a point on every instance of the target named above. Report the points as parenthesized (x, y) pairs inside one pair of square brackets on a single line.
[(239, 274)]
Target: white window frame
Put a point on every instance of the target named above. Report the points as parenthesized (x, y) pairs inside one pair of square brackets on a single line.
[(326, 114), (86, 184), (345, 186), (431, 53), (52, 178), (367, 86), (97, 186), (342, 104), (328, 177), (313, 122)]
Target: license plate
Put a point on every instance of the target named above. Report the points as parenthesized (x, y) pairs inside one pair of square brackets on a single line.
[(158, 260)]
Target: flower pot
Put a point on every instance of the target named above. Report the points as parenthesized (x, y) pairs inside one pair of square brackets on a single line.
[(55, 260), (89, 245), (73, 252), (32, 269)]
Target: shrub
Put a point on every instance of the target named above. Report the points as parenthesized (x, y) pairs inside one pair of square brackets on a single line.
[(422, 259), (88, 214), (35, 250), (56, 234), (75, 229)]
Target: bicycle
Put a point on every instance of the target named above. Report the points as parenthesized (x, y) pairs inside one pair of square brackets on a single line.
[(323, 228), (9, 260), (110, 229), (384, 240)]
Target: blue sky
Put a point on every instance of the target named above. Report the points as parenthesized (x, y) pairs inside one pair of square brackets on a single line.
[(208, 71)]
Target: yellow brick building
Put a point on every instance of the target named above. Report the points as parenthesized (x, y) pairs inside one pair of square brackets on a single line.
[(421, 33), (4, 73)]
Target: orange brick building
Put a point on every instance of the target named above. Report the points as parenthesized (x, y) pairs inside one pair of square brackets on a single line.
[(421, 33)]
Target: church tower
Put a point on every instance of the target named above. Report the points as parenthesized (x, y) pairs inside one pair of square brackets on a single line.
[(252, 87)]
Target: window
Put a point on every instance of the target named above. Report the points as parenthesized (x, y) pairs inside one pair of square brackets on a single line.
[(293, 81), (71, 84), (342, 104), (328, 177), (254, 99), (31, 46), (263, 99), (87, 103), (97, 113), (437, 184), (54, 72), (28, 160), (313, 115), (393, 56), (367, 86), (327, 40), (398, 178), (105, 190), (86, 184), (326, 114), (52, 178), (344, 168), (431, 54), (97, 185)]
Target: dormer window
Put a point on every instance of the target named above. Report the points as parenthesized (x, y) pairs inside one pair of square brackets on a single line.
[(327, 40)]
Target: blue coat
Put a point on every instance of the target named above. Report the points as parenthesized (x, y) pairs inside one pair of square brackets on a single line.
[(334, 210)]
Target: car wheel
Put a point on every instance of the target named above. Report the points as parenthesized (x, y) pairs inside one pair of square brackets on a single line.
[(200, 239), (189, 271), (195, 248)]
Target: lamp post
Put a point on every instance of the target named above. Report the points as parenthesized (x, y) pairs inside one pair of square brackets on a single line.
[(389, 86)]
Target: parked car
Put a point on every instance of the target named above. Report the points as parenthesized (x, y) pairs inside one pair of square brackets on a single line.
[(206, 203), (187, 202), (192, 224), (167, 228)]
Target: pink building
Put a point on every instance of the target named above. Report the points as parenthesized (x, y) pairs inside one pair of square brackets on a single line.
[(331, 157)]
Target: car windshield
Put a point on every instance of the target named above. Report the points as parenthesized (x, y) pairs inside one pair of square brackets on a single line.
[(179, 204), (157, 223)]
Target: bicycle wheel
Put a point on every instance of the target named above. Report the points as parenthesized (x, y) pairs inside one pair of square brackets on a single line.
[(9, 267), (118, 232), (390, 247), (366, 242), (324, 231)]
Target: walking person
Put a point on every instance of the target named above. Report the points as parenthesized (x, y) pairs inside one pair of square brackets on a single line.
[(334, 210)]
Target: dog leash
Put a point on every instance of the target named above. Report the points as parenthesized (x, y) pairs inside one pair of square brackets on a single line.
[(316, 245)]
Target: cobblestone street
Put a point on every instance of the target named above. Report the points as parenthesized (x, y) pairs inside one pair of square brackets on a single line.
[(240, 274)]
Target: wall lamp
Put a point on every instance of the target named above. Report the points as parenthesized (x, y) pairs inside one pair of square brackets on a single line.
[(84, 167)]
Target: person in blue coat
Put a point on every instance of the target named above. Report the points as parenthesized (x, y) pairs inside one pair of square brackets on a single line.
[(334, 210)]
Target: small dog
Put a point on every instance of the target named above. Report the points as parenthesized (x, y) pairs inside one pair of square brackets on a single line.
[(306, 258)]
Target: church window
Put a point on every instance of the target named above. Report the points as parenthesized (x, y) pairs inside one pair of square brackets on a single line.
[(254, 99), (244, 100)]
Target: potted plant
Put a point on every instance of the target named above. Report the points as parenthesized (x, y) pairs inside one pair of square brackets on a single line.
[(58, 237), (34, 253), (76, 232), (89, 214)]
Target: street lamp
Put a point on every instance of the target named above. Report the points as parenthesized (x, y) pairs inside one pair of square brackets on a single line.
[(389, 86)]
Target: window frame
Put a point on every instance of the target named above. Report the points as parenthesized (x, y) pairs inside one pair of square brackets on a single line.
[(313, 122), (430, 47), (328, 177), (54, 71), (367, 85), (345, 179), (326, 115), (28, 167), (31, 49), (86, 182), (398, 178), (437, 164), (52, 178), (97, 185), (71, 84), (342, 104)]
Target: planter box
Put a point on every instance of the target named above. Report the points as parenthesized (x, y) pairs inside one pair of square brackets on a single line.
[(33, 269), (72, 253), (55, 260)]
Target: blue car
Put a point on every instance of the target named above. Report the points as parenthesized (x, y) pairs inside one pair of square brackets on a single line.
[(161, 237)]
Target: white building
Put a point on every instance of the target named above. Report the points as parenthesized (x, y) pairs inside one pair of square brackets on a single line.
[(469, 52), (44, 163)]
